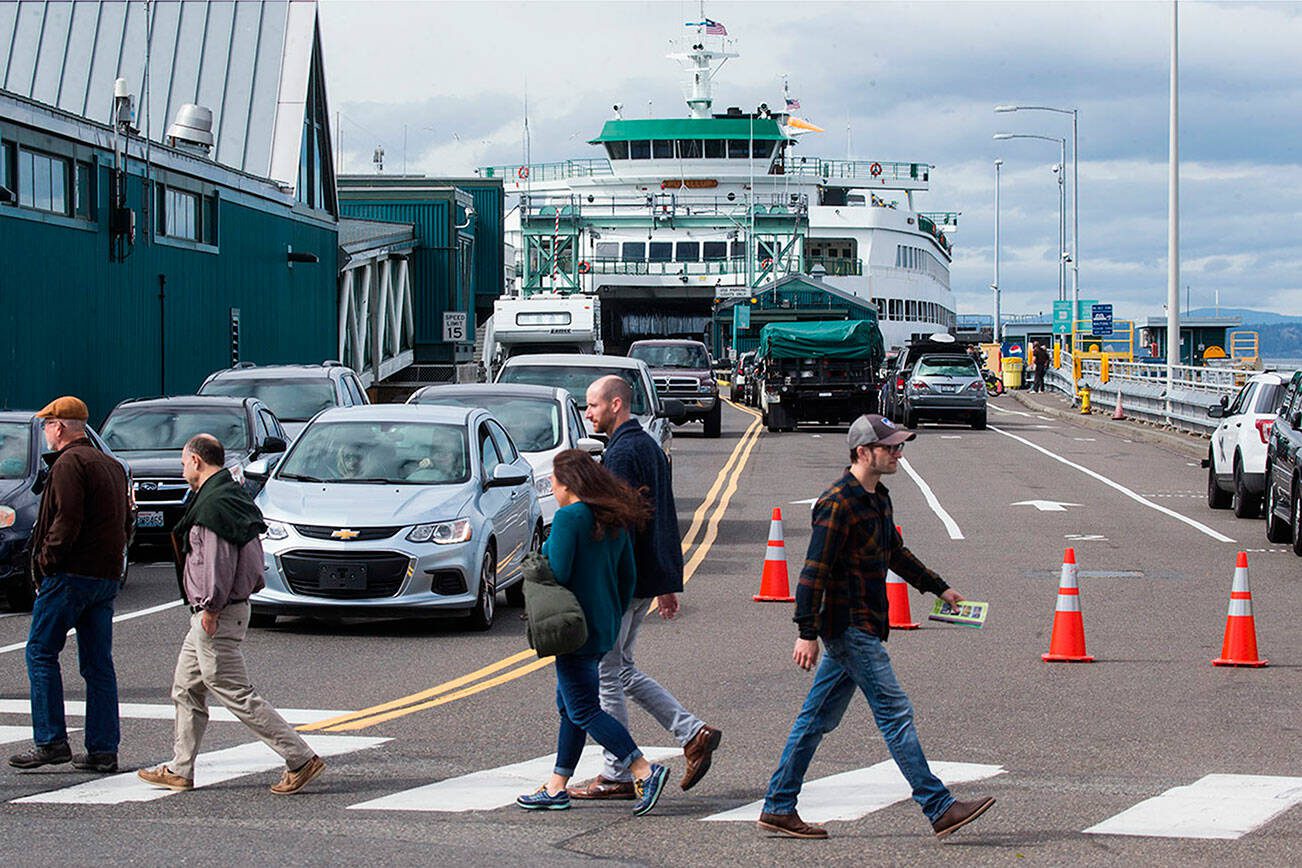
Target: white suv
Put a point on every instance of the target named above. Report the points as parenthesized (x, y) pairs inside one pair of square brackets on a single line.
[(1236, 459)]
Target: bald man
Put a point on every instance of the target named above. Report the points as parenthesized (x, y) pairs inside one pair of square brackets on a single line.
[(634, 456)]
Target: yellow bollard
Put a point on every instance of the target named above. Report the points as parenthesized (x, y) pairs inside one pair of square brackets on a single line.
[(1084, 399), (1103, 368), (1057, 355)]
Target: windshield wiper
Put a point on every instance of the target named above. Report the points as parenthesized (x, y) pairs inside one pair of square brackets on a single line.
[(299, 477), (373, 480)]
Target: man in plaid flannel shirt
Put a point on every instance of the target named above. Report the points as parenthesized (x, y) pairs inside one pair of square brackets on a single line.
[(842, 599)]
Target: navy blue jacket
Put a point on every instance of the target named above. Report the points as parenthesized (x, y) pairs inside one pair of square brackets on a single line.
[(635, 457)]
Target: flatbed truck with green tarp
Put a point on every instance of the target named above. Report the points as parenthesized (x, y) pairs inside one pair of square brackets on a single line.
[(821, 372)]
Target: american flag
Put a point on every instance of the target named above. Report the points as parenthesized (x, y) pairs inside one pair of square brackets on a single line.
[(792, 104), (714, 28)]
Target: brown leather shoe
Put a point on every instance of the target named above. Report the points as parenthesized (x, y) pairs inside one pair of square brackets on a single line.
[(699, 753), (293, 781), (602, 788), (790, 825), (960, 814), (166, 778)]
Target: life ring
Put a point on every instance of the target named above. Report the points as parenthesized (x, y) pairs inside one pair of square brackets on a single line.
[(875, 169), (584, 268), (522, 172), (766, 264)]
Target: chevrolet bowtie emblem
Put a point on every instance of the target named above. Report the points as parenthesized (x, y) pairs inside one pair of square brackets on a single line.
[(345, 534)]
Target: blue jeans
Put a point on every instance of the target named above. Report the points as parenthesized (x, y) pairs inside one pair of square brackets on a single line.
[(855, 659), (579, 702), (68, 602)]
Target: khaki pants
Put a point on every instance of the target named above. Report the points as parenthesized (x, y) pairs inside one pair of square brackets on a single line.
[(215, 664)]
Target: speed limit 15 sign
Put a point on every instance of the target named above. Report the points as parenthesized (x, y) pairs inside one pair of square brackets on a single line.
[(455, 326)]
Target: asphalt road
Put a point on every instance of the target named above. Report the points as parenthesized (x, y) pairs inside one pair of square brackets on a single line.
[(1068, 745)]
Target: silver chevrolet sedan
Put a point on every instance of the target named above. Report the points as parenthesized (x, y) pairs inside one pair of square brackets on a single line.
[(397, 511)]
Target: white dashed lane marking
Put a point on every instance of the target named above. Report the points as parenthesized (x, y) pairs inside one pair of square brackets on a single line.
[(1215, 806)]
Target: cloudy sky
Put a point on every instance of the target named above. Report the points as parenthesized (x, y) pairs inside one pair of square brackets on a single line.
[(911, 82)]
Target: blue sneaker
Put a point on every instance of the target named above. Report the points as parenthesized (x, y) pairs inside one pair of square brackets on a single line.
[(541, 800), (649, 790)]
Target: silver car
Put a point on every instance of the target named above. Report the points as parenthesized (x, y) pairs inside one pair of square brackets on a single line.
[(944, 387), (574, 373), (543, 421), (397, 511)]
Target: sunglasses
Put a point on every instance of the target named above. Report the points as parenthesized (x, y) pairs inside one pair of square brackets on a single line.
[(895, 449)]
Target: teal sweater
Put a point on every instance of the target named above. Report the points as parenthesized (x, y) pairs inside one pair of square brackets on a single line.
[(599, 572)]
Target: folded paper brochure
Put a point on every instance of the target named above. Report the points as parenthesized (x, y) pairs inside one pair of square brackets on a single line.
[(968, 612)]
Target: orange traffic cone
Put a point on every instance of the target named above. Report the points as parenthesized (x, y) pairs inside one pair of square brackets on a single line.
[(1117, 413), (1240, 645), (775, 587), (897, 600), (1067, 644)]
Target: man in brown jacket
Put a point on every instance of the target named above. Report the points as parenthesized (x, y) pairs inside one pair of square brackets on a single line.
[(78, 547), (220, 552)]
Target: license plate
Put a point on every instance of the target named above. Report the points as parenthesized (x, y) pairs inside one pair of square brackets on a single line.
[(341, 577), (948, 388), (824, 394), (149, 519)]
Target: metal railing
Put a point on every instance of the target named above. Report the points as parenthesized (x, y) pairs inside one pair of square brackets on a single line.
[(908, 174), (633, 266), (661, 206), (558, 171), (834, 266), (941, 218)]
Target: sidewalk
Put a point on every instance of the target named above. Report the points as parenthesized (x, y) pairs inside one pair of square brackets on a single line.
[(1056, 404)]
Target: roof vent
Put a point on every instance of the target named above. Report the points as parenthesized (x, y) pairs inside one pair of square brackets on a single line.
[(193, 127)]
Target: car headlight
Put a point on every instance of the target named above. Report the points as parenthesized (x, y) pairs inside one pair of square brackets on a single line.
[(7, 516), (275, 530), (442, 532), (542, 486), (707, 386)]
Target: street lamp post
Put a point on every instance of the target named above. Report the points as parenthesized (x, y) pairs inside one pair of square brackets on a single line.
[(1075, 189), (995, 285), (1062, 206)]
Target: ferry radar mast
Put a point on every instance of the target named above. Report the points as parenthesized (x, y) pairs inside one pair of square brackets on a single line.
[(702, 55)]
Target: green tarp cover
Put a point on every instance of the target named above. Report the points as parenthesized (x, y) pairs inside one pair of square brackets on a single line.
[(846, 339)]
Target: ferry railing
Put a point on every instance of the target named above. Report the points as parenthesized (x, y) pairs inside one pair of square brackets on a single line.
[(670, 269), (941, 218), (871, 171), (556, 171), (833, 266), (664, 206)]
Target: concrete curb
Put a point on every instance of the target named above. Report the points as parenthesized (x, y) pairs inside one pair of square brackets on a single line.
[(1188, 445)]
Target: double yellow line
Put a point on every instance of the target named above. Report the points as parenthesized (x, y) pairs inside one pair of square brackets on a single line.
[(517, 665)]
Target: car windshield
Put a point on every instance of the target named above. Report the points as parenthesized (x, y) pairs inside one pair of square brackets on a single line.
[(533, 423), (1269, 397), (690, 356), (291, 400), (15, 449), (576, 381), (945, 366), (399, 453), (148, 429)]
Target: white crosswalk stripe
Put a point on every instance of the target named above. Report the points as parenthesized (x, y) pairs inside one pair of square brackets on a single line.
[(212, 767), (11, 734), (1215, 806), (495, 788), (167, 711), (854, 794)]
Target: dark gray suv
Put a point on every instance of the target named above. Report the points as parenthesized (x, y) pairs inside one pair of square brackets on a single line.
[(295, 393), (681, 371)]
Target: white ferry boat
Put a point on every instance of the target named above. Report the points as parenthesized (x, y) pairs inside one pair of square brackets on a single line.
[(679, 217)]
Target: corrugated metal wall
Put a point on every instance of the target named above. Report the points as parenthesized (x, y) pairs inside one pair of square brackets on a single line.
[(490, 235), (74, 322)]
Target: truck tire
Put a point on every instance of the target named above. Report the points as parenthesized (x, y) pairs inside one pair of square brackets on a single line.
[(19, 593), (979, 421), (910, 417), (714, 421)]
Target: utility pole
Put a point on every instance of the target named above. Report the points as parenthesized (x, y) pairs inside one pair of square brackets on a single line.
[(995, 285), (1173, 216)]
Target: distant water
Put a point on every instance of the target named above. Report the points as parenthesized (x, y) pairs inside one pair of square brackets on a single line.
[(1282, 364)]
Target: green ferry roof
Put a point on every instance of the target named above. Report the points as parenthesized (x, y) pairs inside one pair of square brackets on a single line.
[(763, 129)]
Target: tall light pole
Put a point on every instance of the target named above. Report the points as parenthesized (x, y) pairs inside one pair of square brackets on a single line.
[(1062, 206), (995, 285), (1075, 189), (1173, 216)]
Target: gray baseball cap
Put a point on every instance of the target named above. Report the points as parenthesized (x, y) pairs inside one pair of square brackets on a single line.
[(873, 430)]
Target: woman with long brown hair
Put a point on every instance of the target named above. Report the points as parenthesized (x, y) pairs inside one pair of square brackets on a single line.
[(591, 554)]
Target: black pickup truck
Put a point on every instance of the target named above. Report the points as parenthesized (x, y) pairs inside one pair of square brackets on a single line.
[(822, 372)]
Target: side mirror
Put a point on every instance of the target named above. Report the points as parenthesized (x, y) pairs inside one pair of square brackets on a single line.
[(272, 444), (1216, 411), (259, 470), (590, 445), (505, 476), (673, 410), (1225, 401), (42, 476), (603, 439)]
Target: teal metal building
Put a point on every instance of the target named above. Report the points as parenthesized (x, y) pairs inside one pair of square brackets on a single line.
[(166, 225)]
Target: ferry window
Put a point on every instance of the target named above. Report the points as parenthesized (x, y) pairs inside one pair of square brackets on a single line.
[(762, 149), (617, 150), (895, 311), (81, 190), (712, 251), (639, 150), (662, 149), (687, 251), (739, 250), (608, 250), (738, 149), (689, 149), (661, 251), (42, 181), (880, 303), (715, 149), (633, 251), (910, 310)]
